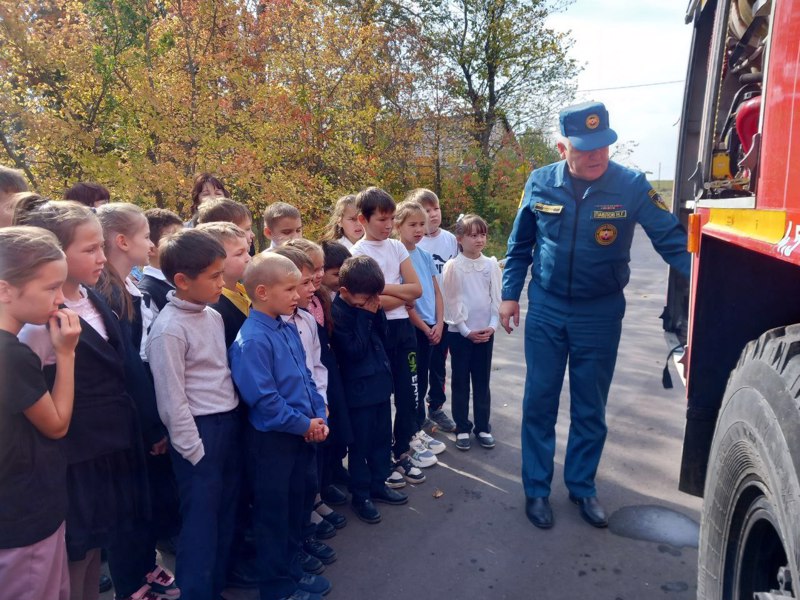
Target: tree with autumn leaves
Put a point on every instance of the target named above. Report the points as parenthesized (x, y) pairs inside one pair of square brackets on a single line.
[(289, 100)]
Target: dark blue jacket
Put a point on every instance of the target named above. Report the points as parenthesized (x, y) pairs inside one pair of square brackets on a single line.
[(358, 341), (582, 249)]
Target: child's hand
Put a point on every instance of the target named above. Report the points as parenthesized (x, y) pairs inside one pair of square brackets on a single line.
[(160, 447), (480, 336), (65, 329), (317, 431), (435, 335), (373, 304)]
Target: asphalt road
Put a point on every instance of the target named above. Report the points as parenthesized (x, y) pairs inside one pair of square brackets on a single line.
[(474, 542)]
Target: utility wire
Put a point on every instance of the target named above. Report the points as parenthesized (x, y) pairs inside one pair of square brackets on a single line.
[(627, 87)]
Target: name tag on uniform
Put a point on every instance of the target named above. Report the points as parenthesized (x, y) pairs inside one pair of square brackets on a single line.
[(604, 215), (550, 209)]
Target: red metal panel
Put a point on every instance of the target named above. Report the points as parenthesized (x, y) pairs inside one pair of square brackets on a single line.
[(780, 154)]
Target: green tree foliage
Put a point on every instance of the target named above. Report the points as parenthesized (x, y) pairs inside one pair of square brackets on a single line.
[(293, 100)]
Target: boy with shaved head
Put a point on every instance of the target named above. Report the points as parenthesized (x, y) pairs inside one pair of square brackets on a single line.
[(286, 414)]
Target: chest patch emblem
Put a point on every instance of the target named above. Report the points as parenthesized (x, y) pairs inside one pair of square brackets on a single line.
[(606, 234), (551, 209)]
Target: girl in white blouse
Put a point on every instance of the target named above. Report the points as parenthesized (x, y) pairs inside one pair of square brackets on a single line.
[(471, 288)]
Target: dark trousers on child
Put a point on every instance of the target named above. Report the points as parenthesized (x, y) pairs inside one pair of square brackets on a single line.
[(438, 372), (131, 557), (370, 457), (311, 491), (401, 349), (209, 494), (278, 467), (424, 351), (470, 362)]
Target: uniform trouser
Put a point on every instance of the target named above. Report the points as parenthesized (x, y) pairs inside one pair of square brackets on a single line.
[(424, 351), (278, 466), (438, 372), (401, 349), (311, 491), (470, 362), (586, 334), (370, 457), (209, 496)]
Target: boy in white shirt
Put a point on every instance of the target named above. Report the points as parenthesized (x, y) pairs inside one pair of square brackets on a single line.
[(442, 245), (376, 210)]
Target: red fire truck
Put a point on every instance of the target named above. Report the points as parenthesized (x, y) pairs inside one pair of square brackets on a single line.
[(737, 188)]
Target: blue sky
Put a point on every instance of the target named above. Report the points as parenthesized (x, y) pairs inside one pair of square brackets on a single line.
[(622, 43)]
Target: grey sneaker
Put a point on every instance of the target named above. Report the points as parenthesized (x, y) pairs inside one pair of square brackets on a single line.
[(463, 442), (486, 439), (442, 421)]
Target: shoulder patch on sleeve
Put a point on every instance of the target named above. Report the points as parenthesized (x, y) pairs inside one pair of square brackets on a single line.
[(656, 199)]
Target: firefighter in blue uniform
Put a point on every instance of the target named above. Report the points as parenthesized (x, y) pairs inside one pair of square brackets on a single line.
[(576, 223)]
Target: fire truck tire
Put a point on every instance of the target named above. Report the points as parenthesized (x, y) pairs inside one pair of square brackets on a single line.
[(750, 526)]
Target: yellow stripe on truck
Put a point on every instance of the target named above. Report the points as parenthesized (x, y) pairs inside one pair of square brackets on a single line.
[(766, 225)]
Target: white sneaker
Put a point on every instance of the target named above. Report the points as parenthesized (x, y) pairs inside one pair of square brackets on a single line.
[(431, 443), (395, 480), (421, 459)]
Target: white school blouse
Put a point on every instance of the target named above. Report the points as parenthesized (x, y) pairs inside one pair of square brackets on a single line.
[(472, 293)]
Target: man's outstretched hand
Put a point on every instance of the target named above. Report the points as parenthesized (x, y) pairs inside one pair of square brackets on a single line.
[(509, 310)]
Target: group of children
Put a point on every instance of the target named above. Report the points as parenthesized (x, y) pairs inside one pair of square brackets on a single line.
[(240, 382)]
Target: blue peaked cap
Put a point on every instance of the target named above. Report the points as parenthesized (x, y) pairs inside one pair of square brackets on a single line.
[(586, 126)]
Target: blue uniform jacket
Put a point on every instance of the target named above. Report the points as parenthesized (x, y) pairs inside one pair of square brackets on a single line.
[(582, 249)]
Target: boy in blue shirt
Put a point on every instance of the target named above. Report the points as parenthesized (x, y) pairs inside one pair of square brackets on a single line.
[(286, 415), (359, 335)]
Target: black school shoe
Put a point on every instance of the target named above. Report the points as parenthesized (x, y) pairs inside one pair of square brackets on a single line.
[(336, 519), (324, 553), (105, 583), (325, 530), (366, 511), (333, 496), (389, 496), (310, 564), (314, 584)]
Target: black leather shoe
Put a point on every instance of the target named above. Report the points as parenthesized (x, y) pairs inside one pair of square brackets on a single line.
[(309, 564), (325, 530), (333, 496), (591, 510), (539, 512), (317, 549), (338, 520), (366, 511), (105, 583), (389, 496)]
